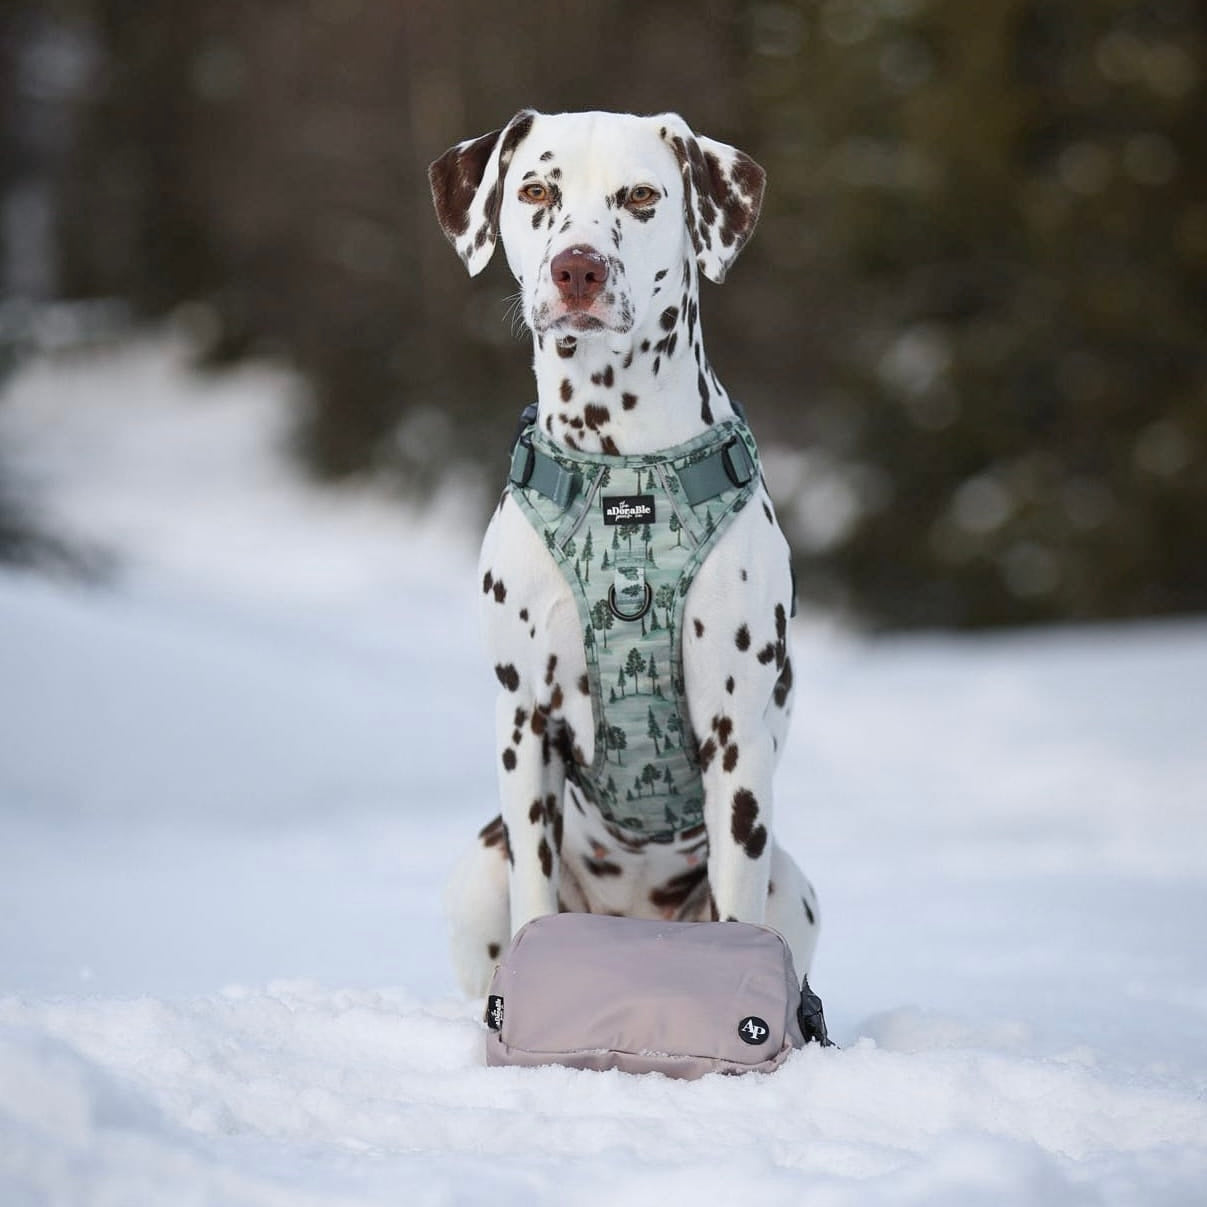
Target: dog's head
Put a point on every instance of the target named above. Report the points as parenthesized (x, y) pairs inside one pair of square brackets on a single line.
[(594, 209)]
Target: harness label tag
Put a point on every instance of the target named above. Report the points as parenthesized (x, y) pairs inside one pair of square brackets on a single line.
[(494, 1012), (628, 509)]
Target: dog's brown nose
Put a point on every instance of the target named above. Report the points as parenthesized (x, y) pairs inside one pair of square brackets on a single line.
[(579, 274)]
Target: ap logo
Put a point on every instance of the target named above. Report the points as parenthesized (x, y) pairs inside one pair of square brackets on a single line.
[(753, 1030)]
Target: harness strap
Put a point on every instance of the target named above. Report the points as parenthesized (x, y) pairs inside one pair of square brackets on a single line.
[(532, 468), (731, 465), (723, 469)]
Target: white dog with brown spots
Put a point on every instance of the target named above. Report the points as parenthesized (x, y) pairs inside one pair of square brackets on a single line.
[(606, 221)]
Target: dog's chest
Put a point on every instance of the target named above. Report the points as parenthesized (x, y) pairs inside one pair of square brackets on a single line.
[(627, 535)]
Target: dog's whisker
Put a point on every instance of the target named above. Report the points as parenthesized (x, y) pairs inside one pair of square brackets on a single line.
[(513, 315)]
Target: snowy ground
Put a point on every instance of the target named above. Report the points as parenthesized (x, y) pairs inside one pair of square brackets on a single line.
[(231, 784)]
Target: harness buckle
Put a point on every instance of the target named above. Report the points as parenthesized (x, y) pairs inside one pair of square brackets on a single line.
[(739, 475), (523, 461)]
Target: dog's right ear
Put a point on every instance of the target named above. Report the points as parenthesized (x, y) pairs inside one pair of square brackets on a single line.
[(467, 182)]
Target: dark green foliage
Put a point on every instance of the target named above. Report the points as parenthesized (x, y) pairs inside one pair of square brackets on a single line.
[(996, 211), (976, 305)]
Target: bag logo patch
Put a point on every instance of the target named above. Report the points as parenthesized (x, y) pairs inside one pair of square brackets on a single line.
[(494, 1012), (628, 509), (752, 1030)]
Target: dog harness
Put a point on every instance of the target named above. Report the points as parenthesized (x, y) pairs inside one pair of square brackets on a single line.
[(629, 534)]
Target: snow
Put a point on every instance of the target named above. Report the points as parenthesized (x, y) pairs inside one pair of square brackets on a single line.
[(233, 778)]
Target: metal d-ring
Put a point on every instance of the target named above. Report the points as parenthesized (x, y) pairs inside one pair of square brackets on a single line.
[(645, 607)]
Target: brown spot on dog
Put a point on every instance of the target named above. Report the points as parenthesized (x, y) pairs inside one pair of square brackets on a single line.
[(698, 625), (608, 447), (596, 416), (520, 717), (493, 950), (675, 892), (545, 854), (509, 759), (584, 685), (705, 403), (500, 591), (606, 378), (550, 667), (742, 638), (767, 513), (750, 837), (667, 318), (524, 614), (487, 582), (540, 719), (729, 685), (494, 834), (808, 912), (628, 401), (708, 752), (783, 685), (730, 761), (566, 348), (567, 390), (723, 727), (508, 676), (536, 811), (602, 867), (767, 653)]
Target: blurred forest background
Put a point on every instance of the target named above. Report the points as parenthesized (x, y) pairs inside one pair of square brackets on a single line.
[(971, 331)]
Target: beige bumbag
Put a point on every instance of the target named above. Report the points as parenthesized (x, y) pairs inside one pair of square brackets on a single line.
[(680, 998)]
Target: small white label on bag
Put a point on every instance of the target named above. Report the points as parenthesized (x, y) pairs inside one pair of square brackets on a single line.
[(753, 1030)]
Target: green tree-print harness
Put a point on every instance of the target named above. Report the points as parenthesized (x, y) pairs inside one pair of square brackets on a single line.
[(629, 534)]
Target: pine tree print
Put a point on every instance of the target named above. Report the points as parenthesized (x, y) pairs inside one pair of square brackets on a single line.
[(634, 664), (601, 618), (653, 729)]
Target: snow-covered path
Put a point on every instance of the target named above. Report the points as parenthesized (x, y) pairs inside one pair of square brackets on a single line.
[(230, 786)]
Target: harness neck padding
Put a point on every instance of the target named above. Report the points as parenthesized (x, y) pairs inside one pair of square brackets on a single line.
[(629, 534)]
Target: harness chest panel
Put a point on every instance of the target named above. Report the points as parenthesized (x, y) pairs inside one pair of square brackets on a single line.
[(629, 535)]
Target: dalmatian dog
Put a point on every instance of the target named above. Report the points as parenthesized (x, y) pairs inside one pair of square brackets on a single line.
[(606, 221)]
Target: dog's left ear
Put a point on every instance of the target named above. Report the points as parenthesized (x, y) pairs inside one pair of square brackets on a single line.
[(722, 194), (467, 183)]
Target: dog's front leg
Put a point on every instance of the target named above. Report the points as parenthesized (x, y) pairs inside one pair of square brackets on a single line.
[(738, 675), (531, 780), (737, 811)]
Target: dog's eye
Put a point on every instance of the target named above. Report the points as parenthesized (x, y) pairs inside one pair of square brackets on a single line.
[(643, 195), (537, 194)]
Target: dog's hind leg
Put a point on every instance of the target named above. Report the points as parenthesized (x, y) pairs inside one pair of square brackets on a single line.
[(792, 908), (476, 904)]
